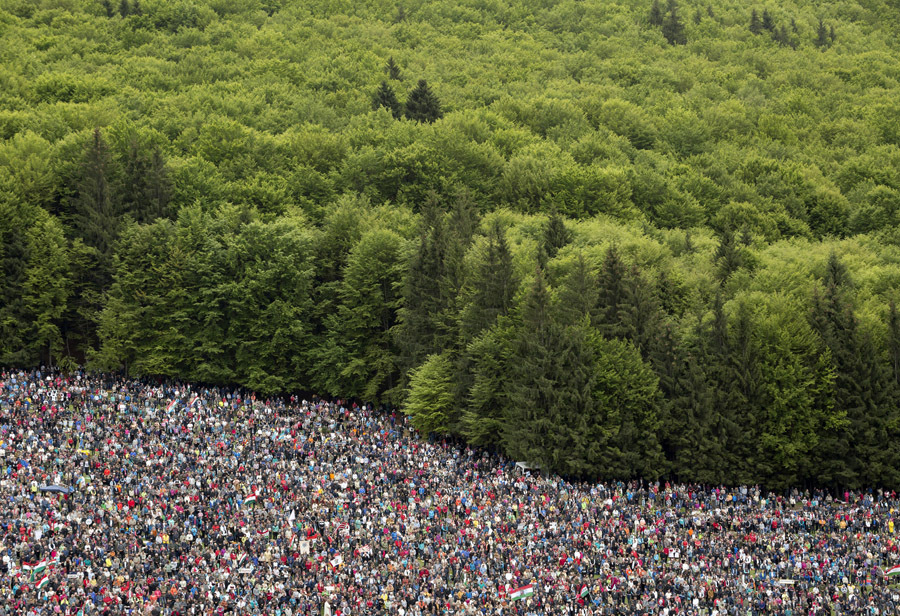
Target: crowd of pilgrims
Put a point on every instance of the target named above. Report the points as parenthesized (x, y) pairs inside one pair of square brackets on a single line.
[(173, 500)]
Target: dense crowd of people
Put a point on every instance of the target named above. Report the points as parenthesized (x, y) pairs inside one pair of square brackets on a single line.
[(136, 497)]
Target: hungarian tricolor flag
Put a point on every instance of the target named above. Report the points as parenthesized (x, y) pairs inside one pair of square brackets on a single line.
[(193, 401), (44, 581), (522, 592), (171, 405), (250, 499), (35, 568), (895, 570), (585, 591)]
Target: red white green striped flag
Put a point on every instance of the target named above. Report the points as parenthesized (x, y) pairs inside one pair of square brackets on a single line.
[(522, 592), (895, 570), (250, 499), (44, 581), (585, 591)]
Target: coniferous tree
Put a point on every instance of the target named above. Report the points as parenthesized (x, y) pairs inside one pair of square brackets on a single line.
[(861, 389), (893, 340), (422, 305), (393, 69), (729, 256), (494, 285), (656, 14), (755, 24), (822, 35), (611, 283), (385, 97), (108, 7), (710, 12), (698, 17), (556, 235), (767, 22), (124, 8), (831, 34), (672, 27), (145, 189), (422, 105), (577, 299)]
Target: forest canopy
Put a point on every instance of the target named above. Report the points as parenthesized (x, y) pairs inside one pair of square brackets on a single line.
[(611, 238)]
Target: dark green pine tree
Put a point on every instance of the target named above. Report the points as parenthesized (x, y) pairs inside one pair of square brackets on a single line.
[(549, 390), (577, 299), (893, 341), (755, 24), (422, 105), (422, 306), (108, 7), (639, 313), (691, 451), (494, 285), (136, 8), (710, 12), (672, 27), (729, 256), (747, 393), (656, 14), (822, 35), (95, 222), (556, 235), (13, 263), (124, 8), (716, 362), (393, 69), (831, 34), (385, 97), (145, 189), (462, 220), (862, 389), (698, 17), (611, 286), (767, 22)]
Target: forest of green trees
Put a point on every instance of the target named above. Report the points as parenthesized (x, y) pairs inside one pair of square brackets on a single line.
[(613, 239)]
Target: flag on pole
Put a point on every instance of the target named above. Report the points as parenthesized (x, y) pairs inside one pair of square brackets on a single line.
[(193, 401), (343, 529), (522, 592), (585, 591), (250, 499), (171, 405), (44, 581), (895, 570)]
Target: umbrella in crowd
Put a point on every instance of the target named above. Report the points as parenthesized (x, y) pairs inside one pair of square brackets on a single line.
[(226, 503)]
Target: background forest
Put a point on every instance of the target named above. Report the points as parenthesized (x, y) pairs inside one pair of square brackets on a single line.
[(610, 238)]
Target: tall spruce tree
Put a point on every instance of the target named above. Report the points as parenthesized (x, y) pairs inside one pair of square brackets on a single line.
[(767, 22), (822, 40), (656, 14), (493, 285), (422, 105), (755, 24), (393, 69), (861, 390), (422, 306), (672, 28), (385, 97), (145, 190), (893, 342), (556, 235)]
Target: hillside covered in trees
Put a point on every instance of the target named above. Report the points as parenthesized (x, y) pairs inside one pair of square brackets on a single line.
[(615, 239)]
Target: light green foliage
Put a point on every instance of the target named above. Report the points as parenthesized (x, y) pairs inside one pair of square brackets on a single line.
[(430, 400)]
